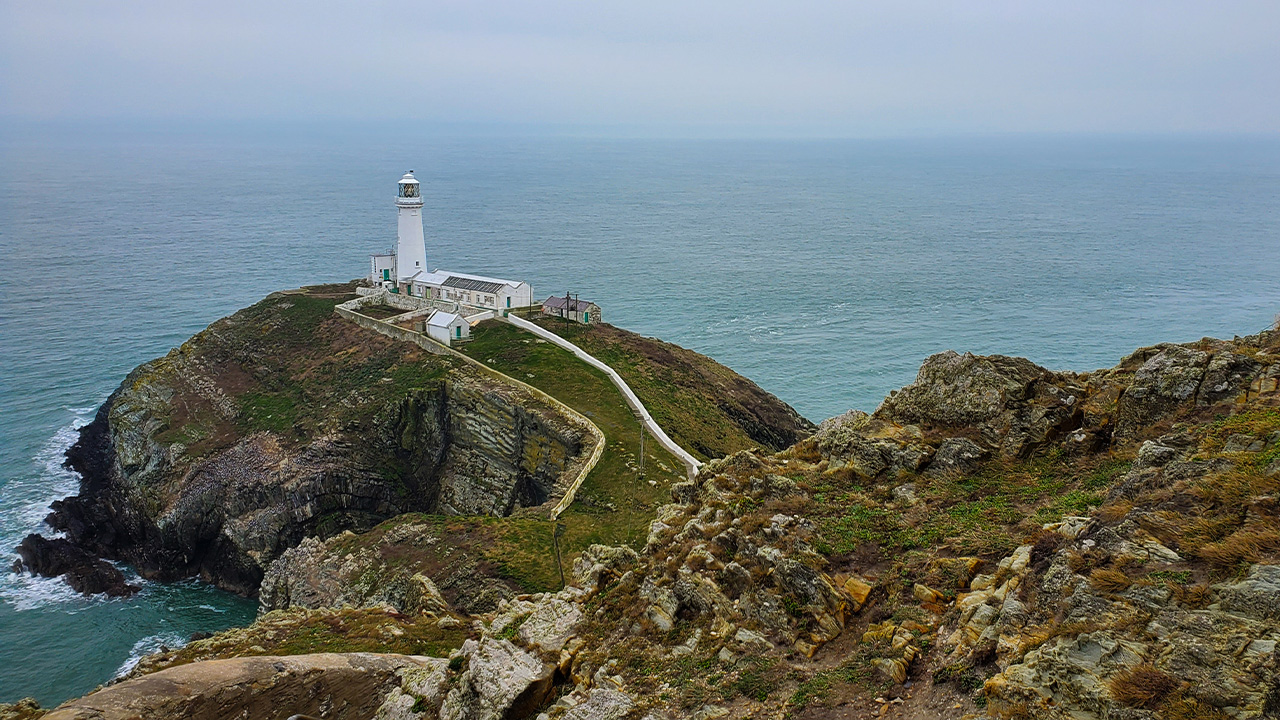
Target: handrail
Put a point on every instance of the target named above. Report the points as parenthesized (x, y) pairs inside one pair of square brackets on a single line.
[(690, 462)]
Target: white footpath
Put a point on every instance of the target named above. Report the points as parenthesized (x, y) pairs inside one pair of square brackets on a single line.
[(691, 463)]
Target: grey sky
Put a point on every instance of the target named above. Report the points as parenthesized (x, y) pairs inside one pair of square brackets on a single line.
[(796, 67)]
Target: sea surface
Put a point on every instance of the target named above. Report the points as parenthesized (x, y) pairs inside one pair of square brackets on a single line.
[(826, 271)]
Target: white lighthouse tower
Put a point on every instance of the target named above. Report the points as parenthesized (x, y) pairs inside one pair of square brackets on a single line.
[(411, 248)]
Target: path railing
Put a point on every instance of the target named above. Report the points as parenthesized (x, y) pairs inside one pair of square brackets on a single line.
[(691, 463)]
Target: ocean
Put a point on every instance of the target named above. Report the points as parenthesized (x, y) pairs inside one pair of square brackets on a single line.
[(826, 271)]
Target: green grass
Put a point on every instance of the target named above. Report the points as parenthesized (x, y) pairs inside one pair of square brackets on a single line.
[(986, 511), (275, 412), (701, 404), (614, 504)]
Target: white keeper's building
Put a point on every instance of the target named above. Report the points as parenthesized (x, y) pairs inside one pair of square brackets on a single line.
[(405, 270)]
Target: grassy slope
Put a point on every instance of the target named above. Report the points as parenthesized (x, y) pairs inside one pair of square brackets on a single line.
[(290, 366), (614, 504), (708, 409)]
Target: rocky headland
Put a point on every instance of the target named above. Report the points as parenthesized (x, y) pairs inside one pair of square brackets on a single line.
[(996, 540)]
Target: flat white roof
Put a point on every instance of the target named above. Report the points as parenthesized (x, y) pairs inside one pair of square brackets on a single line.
[(441, 318)]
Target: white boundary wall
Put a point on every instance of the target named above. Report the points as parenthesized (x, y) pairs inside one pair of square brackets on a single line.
[(654, 429), (347, 310)]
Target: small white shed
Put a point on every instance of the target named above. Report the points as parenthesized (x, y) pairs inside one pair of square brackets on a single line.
[(448, 328)]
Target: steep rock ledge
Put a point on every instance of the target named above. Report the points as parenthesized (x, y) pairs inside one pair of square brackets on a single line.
[(213, 460)]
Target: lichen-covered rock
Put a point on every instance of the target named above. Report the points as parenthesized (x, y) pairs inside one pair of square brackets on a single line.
[(600, 563), (354, 571), (1166, 381), (955, 390), (500, 681), (956, 455), (1257, 596), (24, 709)]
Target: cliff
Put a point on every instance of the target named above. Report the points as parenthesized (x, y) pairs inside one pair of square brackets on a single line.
[(996, 541), (283, 422)]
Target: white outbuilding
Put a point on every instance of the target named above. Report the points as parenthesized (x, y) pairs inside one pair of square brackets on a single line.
[(448, 328)]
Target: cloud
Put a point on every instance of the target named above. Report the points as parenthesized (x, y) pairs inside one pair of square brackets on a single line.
[(803, 67)]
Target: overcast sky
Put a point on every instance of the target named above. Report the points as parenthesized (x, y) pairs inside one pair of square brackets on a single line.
[(899, 67)]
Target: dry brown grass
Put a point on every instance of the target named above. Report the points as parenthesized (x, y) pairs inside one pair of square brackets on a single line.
[(1247, 544), (1193, 596), (1109, 581), (1114, 512), (1143, 686)]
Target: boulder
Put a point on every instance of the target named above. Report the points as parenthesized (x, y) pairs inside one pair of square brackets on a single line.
[(84, 572), (601, 704), (348, 686), (957, 455), (599, 564), (1227, 376), (1164, 383), (957, 390), (551, 624), (501, 681)]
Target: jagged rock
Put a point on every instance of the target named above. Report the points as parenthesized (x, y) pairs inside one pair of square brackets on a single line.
[(925, 594), (1153, 454), (24, 709), (955, 390), (1166, 381), (698, 593), (858, 590), (956, 455), (1227, 376), (1258, 595), (84, 572), (501, 681), (551, 624), (420, 694), (868, 446), (601, 704), (599, 564)]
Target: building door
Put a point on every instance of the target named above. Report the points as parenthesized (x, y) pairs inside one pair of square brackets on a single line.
[(386, 274), (458, 330), (586, 317)]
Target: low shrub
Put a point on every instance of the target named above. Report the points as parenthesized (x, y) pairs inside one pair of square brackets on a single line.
[(1143, 686)]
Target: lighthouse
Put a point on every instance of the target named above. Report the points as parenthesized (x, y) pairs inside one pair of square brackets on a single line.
[(411, 248)]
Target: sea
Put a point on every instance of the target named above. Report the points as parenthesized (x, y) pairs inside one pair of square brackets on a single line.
[(824, 270)]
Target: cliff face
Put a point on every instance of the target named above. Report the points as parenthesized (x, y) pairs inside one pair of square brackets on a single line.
[(996, 541), (283, 422)]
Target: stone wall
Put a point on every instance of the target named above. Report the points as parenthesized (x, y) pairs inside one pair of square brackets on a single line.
[(561, 492)]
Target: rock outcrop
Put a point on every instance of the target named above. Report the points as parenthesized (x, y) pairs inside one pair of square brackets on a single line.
[(83, 571), (190, 469), (338, 686), (996, 541)]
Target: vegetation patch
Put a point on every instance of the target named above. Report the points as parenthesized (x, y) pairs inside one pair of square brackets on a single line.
[(708, 409), (1143, 686)]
